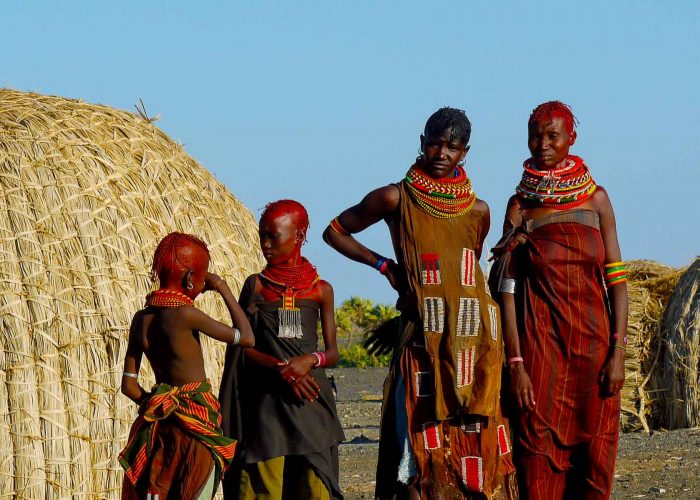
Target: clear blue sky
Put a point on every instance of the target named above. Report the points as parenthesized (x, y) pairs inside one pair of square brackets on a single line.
[(323, 101)]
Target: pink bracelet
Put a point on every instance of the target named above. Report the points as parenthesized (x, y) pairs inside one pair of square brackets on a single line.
[(321, 357), (624, 338), (382, 268), (515, 359)]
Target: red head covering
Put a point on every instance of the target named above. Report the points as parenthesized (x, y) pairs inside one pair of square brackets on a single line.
[(278, 208), (179, 252), (546, 112)]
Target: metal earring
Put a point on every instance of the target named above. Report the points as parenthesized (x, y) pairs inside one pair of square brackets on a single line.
[(462, 161), (190, 286), (420, 154)]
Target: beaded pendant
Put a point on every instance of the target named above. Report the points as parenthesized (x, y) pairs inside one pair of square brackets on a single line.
[(289, 317)]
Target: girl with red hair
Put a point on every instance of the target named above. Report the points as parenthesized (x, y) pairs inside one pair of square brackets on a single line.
[(289, 430)]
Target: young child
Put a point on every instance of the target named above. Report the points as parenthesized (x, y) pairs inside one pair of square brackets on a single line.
[(176, 448), (290, 430)]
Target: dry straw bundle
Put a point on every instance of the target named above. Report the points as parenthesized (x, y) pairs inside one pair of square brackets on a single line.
[(677, 379), (86, 193), (650, 286)]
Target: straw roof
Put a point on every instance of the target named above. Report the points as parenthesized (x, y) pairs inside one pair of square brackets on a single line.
[(86, 193), (677, 379)]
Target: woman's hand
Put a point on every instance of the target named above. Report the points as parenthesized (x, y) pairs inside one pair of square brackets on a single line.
[(395, 276), (612, 376), (521, 387)]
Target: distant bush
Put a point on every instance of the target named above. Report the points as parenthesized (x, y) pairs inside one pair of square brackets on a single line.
[(357, 356)]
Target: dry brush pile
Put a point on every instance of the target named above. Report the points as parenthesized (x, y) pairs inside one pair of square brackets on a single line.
[(86, 193)]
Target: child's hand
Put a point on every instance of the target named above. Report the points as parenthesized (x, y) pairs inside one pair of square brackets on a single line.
[(306, 388), (297, 367), (212, 281)]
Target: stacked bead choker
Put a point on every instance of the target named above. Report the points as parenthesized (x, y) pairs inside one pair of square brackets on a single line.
[(442, 198), (567, 185), (165, 297), (290, 282)]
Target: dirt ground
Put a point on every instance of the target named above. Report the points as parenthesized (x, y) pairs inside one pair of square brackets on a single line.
[(663, 465)]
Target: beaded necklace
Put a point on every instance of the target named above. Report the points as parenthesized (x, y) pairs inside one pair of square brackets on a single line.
[(165, 297), (290, 282), (567, 185), (441, 198)]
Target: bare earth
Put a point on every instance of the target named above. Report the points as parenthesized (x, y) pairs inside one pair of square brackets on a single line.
[(663, 465)]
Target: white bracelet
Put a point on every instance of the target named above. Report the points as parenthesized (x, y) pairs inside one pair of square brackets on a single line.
[(507, 285), (130, 375), (318, 358), (236, 336)]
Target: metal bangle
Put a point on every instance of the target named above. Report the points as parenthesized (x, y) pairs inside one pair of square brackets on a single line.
[(236, 336), (507, 285), (130, 375)]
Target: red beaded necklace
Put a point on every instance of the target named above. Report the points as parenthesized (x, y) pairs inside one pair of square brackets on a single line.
[(295, 280), (166, 297)]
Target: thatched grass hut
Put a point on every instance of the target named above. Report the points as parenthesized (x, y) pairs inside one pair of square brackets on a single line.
[(86, 192), (649, 287), (677, 379)]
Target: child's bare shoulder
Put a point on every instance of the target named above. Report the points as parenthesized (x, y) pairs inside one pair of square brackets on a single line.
[(325, 287)]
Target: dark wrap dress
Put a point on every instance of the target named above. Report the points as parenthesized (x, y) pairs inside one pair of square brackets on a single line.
[(260, 409)]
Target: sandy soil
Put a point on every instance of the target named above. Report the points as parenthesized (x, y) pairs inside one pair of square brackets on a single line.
[(663, 465)]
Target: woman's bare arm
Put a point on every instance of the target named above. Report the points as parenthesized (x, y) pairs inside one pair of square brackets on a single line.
[(612, 376), (377, 205)]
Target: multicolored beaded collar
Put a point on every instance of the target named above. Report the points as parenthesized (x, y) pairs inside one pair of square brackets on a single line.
[(165, 297), (442, 198), (567, 185)]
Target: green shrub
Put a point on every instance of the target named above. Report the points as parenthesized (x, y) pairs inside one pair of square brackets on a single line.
[(357, 356)]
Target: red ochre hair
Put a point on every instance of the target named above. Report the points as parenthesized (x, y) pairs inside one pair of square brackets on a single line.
[(546, 112), (179, 252), (283, 207)]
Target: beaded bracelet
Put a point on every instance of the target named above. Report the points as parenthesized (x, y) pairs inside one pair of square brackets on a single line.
[(615, 273), (515, 359), (624, 338), (130, 375), (321, 357), (338, 228), (382, 265)]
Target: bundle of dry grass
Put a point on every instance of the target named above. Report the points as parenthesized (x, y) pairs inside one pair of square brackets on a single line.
[(650, 286), (677, 379), (86, 192)]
